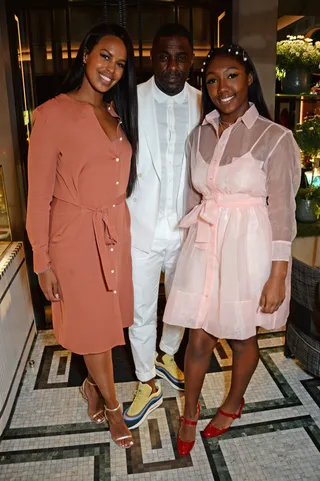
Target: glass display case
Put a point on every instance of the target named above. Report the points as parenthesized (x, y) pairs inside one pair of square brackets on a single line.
[(291, 110), (5, 229)]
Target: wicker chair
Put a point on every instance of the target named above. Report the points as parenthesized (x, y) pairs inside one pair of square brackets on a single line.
[(302, 336)]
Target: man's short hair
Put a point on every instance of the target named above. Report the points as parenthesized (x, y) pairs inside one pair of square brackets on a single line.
[(173, 30)]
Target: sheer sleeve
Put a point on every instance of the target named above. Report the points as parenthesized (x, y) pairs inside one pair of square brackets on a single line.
[(283, 179), (193, 197), (42, 162)]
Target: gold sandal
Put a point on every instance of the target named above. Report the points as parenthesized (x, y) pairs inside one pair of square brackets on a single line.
[(85, 397), (128, 436)]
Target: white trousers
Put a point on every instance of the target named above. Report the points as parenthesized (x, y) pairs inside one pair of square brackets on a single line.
[(147, 269)]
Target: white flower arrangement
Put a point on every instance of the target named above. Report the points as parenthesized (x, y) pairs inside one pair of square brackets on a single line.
[(297, 51)]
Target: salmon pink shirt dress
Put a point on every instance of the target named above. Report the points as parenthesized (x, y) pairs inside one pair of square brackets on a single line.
[(79, 224), (247, 181)]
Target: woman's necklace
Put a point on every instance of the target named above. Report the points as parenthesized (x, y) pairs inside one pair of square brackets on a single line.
[(227, 124), (223, 125)]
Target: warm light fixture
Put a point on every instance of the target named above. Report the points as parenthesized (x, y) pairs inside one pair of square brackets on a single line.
[(218, 28), (25, 115), (301, 110)]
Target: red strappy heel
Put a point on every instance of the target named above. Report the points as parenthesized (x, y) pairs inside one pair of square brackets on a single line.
[(212, 431), (184, 447)]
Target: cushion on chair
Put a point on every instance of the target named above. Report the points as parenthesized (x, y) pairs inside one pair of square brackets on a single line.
[(304, 348)]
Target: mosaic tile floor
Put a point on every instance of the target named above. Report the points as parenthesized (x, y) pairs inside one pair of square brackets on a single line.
[(49, 436)]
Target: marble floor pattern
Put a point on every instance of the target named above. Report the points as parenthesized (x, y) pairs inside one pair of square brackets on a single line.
[(49, 436)]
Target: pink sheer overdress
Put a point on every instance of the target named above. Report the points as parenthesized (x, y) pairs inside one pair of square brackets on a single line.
[(246, 182)]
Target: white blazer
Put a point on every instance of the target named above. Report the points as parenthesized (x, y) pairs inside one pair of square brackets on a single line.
[(144, 201)]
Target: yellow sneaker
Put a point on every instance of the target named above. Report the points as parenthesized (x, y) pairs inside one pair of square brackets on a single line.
[(169, 370), (143, 404)]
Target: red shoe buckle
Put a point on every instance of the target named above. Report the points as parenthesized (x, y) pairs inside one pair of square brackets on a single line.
[(184, 447)]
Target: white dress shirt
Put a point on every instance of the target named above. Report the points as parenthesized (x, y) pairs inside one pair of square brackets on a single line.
[(172, 113)]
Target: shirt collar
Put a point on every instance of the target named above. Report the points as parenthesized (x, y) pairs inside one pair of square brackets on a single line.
[(248, 118), (161, 97)]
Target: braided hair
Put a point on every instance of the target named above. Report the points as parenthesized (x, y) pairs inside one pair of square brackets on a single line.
[(255, 94)]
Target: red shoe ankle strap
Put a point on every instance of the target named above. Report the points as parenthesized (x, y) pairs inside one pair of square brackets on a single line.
[(190, 423), (230, 415)]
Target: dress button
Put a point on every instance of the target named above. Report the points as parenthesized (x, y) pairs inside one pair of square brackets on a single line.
[(114, 205), (114, 292), (117, 159), (120, 139), (111, 249), (112, 272), (117, 183)]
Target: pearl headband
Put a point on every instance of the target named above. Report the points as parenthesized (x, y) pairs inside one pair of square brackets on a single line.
[(238, 51)]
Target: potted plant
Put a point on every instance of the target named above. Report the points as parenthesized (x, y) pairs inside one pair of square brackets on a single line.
[(307, 136), (297, 58)]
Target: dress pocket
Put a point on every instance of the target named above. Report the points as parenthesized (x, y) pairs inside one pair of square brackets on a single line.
[(245, 176), (248, 160)]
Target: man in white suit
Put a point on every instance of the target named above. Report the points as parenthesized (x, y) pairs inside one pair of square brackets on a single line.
[(169, 109)]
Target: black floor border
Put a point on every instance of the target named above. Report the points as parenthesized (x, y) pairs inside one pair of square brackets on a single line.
[(275, 372), (43, 375), (64, 452), (312, 386), (57, 430), (218, 465)]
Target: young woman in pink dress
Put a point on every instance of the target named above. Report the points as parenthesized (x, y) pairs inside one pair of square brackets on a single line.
[(81, 169), (233, 274)]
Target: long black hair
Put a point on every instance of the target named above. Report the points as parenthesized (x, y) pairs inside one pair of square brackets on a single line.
[(123, 94), (255, 94)]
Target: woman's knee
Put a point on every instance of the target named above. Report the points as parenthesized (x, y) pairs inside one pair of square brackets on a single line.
[(239, 346), (201, 343)]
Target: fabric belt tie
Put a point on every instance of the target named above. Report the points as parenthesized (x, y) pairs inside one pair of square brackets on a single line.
[(105, 235), (206, 214)]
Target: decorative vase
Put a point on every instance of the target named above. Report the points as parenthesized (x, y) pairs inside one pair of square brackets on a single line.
[(305, 212), (296, 81)]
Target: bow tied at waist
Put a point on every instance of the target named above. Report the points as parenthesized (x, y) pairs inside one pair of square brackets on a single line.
[(206, 214), (105, 235), (101, 221)]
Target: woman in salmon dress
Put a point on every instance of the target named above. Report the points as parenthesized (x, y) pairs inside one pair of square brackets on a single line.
[(233, 274), (81, 169)]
